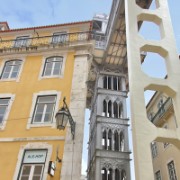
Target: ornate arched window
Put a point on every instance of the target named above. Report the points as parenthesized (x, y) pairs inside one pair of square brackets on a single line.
[(104, 140), (115, 106), (105, 82), (116, 141), (123, 175), (109, 140), (122, 141), (109, 109), (115, 83), (104, 108), (104, 174), (117, 174), (110, 174), (109, 82), (120, 110)]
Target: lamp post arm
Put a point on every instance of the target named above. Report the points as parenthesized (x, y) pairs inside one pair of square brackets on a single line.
[(71, 121)]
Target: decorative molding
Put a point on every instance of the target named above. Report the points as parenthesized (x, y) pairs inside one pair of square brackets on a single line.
[(112, 163), (38, 138)]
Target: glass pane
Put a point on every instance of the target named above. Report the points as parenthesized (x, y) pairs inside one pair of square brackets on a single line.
[(59, 59), (47, 72), (37, 178), (38, 118), (57, 68), (47, 118), (16, 68), (49, 65), (7, 69), (46, 99), (49, 108), (14, 74), (2, 109), (10, 62), (26, 170), (5, 75), (38, 170), (50, 60), (4, 101), (17, 62), (40, 108), (1, 119), (24, 178), (56, 72)]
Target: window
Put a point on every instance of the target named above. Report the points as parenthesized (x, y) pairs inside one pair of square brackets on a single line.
[(11, 69), (161, 107), (53, 66), (123, 175), (32, 166), (172, 171), (59, 37), (4, 102), (104, 174), (21, 41), (154, 149), (44, 109), (117, 174), (158, 175), (112, 82)]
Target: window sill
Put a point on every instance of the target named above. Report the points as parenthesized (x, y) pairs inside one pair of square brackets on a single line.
[(49, 77), (13, 79), (37, 125)]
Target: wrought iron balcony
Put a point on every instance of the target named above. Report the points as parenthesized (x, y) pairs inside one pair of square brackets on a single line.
[(33, 43), (162, 110)]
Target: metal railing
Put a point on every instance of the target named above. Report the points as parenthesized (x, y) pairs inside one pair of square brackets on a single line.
[(54, 40), (162, 110)]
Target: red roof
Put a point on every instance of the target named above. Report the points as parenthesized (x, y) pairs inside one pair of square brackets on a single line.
[(48, 26), (5, 22)]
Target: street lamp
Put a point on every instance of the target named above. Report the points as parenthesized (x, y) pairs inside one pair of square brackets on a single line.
[(62, 117)]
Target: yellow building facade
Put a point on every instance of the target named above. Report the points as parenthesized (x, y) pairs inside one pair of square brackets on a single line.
[(165, 156), (38, 67)]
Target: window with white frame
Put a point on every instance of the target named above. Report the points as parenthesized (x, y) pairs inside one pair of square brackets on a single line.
[(44, 109), (32, 165), (172, 171), (11, 69), (59, 37), (4, 102), (53, 66), (158, 175), (21, 41), (154, 149)]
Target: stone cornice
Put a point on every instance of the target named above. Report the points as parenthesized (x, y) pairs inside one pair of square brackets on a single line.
[(38, 138)]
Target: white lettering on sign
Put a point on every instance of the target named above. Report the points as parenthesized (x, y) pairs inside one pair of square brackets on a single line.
[(35, 156)]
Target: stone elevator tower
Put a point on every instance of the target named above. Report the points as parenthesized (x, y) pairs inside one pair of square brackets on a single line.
[(116, 69)]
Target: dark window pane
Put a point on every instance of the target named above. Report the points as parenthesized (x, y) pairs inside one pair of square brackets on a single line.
[(26, 170), (38, 170)]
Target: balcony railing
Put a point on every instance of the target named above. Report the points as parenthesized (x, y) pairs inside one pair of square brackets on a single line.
[(31, 43), (162, 110)]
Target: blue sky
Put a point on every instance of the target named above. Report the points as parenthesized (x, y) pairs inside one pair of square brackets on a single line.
[(25, 13)]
